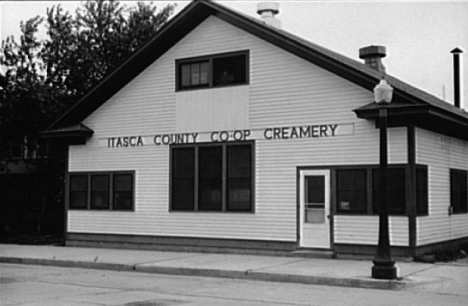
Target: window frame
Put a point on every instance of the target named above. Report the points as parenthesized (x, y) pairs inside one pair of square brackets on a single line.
[(210, 59), (111, 194), (224, 177), (462, 207)]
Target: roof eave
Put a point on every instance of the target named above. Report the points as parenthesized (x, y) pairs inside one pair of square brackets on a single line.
[(424, 116), (77, 134)]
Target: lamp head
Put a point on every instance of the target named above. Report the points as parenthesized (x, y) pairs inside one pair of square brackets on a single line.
[(383, 92)]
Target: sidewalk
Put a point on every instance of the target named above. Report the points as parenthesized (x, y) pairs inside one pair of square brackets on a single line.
[(334, 272)]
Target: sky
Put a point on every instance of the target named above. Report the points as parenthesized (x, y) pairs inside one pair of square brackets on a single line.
[(418, 35)]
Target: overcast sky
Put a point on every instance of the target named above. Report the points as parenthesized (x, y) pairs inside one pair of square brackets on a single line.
[(418, 35)]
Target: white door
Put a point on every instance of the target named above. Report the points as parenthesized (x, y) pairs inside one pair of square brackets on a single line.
[(314, 214)]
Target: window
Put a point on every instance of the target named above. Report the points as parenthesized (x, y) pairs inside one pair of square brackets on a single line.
[(101, 191), (358, 190), (212, 177), (458, 191), (352, 191), (213, 71)]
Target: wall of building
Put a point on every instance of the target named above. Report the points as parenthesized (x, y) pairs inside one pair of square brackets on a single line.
[(440, 153), (284, 91)]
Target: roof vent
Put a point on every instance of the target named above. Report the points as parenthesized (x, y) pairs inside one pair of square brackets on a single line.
[(457, 75), (267, 11), (372, 56)]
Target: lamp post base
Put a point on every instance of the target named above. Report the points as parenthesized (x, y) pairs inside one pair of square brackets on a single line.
[(385, 271)]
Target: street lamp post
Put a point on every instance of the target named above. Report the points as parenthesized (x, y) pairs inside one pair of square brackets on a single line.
[(384, 267)]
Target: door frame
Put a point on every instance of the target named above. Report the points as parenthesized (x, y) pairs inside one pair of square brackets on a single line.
[(331, 204)]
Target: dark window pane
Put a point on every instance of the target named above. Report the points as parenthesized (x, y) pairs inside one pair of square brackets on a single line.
[(352, 190), (78, 199), (78, 182), (185, 75), (100, 191), (240, 161), (239, 178), (183, 169), (458, 191), (315, 189), (195, 74), (122, 182), (239, 194), (210, 178), (229, 70), (100, 182), (123, 191), (78, 191), (421, 191), (395, 191), (204, 73)]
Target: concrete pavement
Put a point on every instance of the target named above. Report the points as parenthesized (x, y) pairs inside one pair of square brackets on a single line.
[(335, 272)]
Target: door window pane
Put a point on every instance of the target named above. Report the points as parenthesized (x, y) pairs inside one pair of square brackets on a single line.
[(210, 178), (315, 189), (314, 199), (315, 215), (100, 191)]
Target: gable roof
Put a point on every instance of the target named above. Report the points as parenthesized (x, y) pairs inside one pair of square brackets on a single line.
[(198, 11)]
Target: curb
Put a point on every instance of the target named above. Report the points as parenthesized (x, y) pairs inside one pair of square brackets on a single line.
[(357, 282)]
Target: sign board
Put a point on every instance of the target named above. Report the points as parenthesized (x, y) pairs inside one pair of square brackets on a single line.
[(269, 134)]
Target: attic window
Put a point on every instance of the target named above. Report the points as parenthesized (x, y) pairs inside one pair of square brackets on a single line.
[(225, 69)]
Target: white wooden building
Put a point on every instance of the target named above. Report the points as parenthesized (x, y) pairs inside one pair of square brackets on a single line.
[(226, 133)]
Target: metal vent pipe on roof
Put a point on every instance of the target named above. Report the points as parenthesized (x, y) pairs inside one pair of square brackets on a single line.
[(267, 11), (372, 56), (457, 83)]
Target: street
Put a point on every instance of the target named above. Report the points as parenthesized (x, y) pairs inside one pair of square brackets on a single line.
[(46, 285)]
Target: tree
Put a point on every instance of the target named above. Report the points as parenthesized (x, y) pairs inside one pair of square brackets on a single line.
[(42, 78)]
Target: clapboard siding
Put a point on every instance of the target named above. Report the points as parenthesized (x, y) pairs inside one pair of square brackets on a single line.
[(211, 110), (284, 91), (365, 230), (440, 153)]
